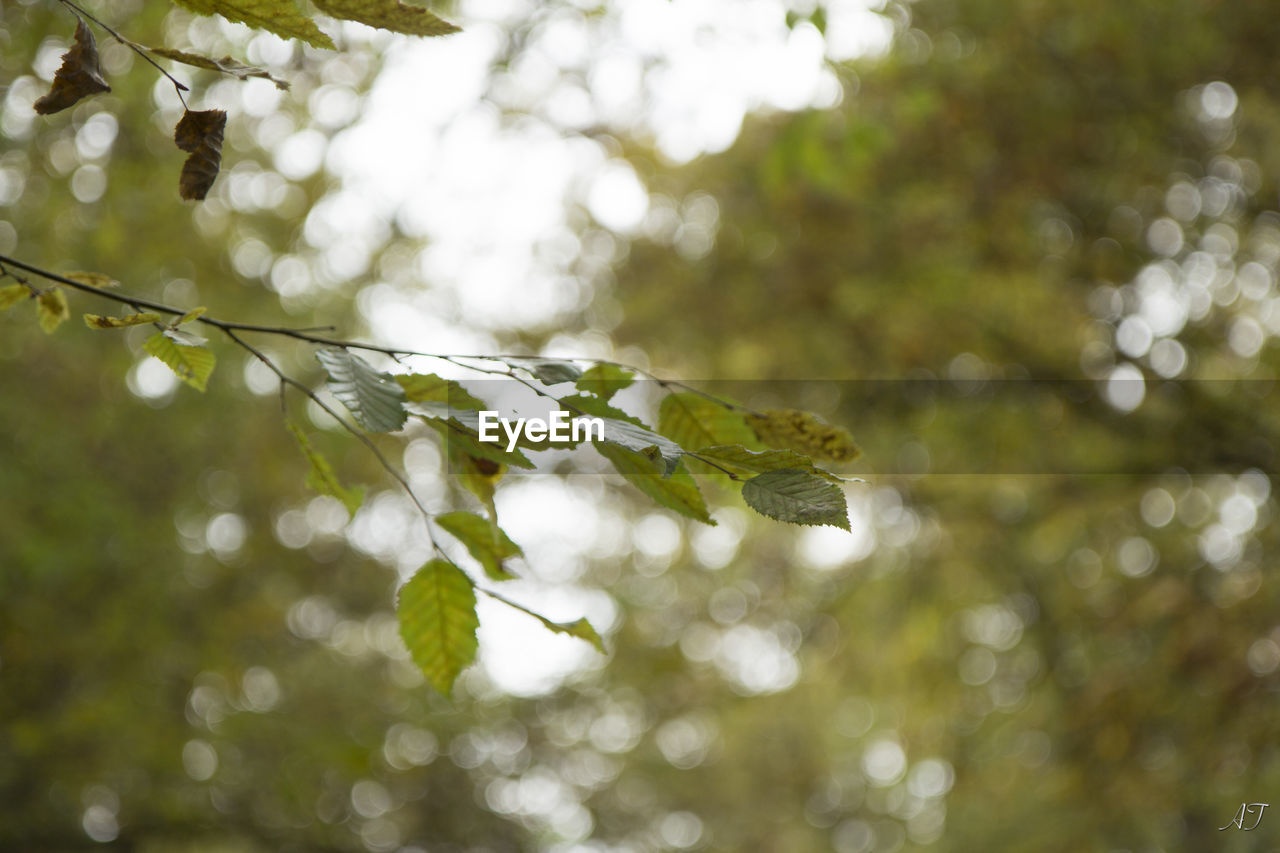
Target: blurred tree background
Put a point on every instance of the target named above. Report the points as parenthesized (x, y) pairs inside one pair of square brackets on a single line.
[(1029, 258)]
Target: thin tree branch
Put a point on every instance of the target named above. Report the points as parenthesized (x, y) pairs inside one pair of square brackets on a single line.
[(135, 47)]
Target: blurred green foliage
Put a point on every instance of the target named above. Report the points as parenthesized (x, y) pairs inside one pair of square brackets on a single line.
[(1076, 652)]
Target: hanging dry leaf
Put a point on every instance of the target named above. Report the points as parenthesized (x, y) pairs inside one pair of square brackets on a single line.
[(200, 134), (226, 65), (79, 76)]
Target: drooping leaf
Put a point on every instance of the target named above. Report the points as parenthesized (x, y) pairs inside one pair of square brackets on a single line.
[(478, 476), (798, 497), (693, 421), (97, 321), (662, 451), (92, 279), (437, 613), (52, 308), (789, 429), (191, 364), (484, 539), (374, 400), (550, 371), (676, 490), (581, 628), (322, 478), (11, 295), (226, 65), (79, 75), (200, 135), (605, 380), (461, 431), (429, 388), (282, 17), (741, 459), (388, 15)]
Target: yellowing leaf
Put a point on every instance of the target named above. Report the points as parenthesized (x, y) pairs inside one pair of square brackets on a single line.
[(79, 76), (429, 388), (52, 308), (97, 321), (388, 15), (191, 364), (193, 314), (676, 491), (484, 539), (282, 17), (93, 279), (437, 613), (12, 294), (226, 65), (789, 429), (322, 477), (200, 134), (581, 629), (605, 380), (693, 421)]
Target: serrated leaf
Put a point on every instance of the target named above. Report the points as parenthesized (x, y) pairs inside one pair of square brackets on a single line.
[(461, 430), (79, 75), (581, 628), (52, 308), (388, 15), (676, 491), (789, 429), (484, 539), (199, 134), (796, 496), (756, 462), (322, 478), (191, 364), (438, 622), (429, 388), (659, 449), (693, 421), (549, 371), (282, 17), (193, 314), (92, 279), (97, 321), (605, 380), (374, 400), (12, 294), (226, 65)]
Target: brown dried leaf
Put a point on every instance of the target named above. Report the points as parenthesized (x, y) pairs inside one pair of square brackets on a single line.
[(200, 134), (79, 76), (226, 65)]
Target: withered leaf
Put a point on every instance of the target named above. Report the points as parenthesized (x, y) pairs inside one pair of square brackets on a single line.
[(226, 65), (79, 76), (200, 134)]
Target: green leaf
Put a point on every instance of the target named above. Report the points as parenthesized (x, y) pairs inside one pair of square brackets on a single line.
[(282, 17), (597, 408), (789, 429), (322, 477), (191, 364), (437, 612), (193, 314), (478, 476), (742, 459), (549, 371), (388, 15), (429, 388), (581, 629), (52, 308), (605, 380), (662, 451), (97, 321), (92, 279), (796, 496), (374, 400), (484, 539), (12, 294), (226, 65), (676, 491), (461, 430), (693, 421)]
